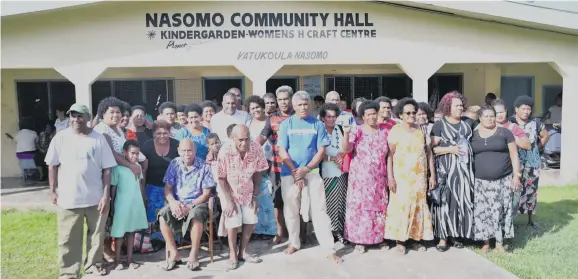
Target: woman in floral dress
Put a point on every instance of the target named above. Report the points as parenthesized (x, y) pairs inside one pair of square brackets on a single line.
[(408, 216), (367, 194)]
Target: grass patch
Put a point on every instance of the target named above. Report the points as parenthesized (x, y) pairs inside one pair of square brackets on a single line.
[(29, 245), (550, 252), (30, 250)]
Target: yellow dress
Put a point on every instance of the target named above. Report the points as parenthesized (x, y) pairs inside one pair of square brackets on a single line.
[(408, 215)]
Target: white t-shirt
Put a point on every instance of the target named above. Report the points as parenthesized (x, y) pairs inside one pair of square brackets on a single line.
[(81, 159), (221, 120), (25, 140), (555, 114), (61, 124)]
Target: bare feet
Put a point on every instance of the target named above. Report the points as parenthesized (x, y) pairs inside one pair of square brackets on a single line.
[(500, 248), (400, 248), (360, 249), (335, 258), (290, 250), (278, 240), (486, 248)]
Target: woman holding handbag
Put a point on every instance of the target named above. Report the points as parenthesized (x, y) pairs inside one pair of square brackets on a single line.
[(367, 194)]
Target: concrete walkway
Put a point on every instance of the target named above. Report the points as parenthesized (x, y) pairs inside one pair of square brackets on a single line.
[(311, 263), (307, 263)]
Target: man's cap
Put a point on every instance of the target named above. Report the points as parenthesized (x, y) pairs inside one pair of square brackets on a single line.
[(80, 108)]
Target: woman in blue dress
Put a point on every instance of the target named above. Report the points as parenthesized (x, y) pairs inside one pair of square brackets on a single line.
[(195, 130), (266, 226)]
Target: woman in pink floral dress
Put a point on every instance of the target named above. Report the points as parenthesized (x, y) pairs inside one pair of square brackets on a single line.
[(367, 192)]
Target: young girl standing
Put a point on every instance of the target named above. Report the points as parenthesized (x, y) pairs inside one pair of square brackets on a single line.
[(130, 214)]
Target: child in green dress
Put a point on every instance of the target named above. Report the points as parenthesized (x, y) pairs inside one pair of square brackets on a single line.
[(129, 210)]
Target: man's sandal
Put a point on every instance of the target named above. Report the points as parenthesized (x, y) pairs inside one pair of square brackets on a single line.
[(233, 266), (251, 259), (193, 266)]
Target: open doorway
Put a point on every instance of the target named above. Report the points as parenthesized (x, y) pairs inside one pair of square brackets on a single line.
[(215, 87), (276, 82)]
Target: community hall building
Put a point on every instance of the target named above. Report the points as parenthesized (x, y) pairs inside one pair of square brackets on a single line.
[(148, 52)]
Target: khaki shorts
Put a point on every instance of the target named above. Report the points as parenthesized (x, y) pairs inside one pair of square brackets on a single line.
[(246, 215), (199, 212)]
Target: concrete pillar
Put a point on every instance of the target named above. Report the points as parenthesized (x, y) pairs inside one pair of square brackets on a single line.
[(493, 79), (569, 163), (259, 72), (420, 69), (82, 76)]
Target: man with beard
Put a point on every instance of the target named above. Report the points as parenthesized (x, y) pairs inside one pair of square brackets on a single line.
[(530, 159), (270, 132)]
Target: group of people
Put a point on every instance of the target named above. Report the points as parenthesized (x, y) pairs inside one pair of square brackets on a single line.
[(390, 173)]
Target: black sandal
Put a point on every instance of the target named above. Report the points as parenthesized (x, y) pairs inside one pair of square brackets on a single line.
[(442, 248), (458, 245)]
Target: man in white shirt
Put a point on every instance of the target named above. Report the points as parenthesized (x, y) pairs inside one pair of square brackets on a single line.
[(554, 113), (238, 96), (61, 122), (229, 115), (80, 162)]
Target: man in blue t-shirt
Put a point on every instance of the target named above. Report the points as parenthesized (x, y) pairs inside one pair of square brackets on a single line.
[(302, 141)]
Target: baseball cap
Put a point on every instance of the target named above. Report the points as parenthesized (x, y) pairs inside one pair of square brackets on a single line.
[(80, 108)]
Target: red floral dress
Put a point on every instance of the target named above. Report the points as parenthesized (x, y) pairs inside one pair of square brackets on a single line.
[(367, 192)]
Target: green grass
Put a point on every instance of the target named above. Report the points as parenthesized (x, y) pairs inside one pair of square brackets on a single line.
[(29, 241), (29, 245), (551, 252)]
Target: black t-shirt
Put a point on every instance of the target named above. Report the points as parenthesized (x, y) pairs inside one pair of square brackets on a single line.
[(491, 155), (158, 165)]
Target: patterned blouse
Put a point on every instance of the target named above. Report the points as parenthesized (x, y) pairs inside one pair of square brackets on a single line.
[(531, 158), (239, 171), (188, 184)]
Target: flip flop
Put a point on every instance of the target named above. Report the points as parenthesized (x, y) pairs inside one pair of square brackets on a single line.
[(169, 265), (251, 259), (193, 266), (133, 265), (233, 266), (97, 270)]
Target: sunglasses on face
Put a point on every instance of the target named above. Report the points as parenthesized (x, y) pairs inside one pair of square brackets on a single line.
[(408, 113)]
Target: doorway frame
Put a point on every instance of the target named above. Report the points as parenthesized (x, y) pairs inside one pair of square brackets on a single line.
[(242, 78), (533, 78), (296, 78), (544, 86)]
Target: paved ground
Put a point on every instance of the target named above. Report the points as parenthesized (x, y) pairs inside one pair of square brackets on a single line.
[(307, 263), (311, 263)]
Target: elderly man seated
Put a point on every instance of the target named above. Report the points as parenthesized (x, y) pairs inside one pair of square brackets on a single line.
[(188, 182)]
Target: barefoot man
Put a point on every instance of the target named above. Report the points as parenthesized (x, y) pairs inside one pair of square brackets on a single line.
[(302, 142), (239, 166)]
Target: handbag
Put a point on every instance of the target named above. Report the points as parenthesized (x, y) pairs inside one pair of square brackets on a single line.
[(346, 163), (435, 195)]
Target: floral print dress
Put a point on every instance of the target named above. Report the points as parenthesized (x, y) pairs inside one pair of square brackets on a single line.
[(408, 215), (367, 194)]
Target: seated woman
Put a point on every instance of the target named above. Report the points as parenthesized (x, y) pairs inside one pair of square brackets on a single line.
[(188, 184), (497, 176)]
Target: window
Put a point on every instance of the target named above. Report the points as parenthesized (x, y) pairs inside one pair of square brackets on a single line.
[(369, 87), (40, 99), (148, 93), (274, 83), (215, 88)]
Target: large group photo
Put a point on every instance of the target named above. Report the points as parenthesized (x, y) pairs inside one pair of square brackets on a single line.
[(174, 141)]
